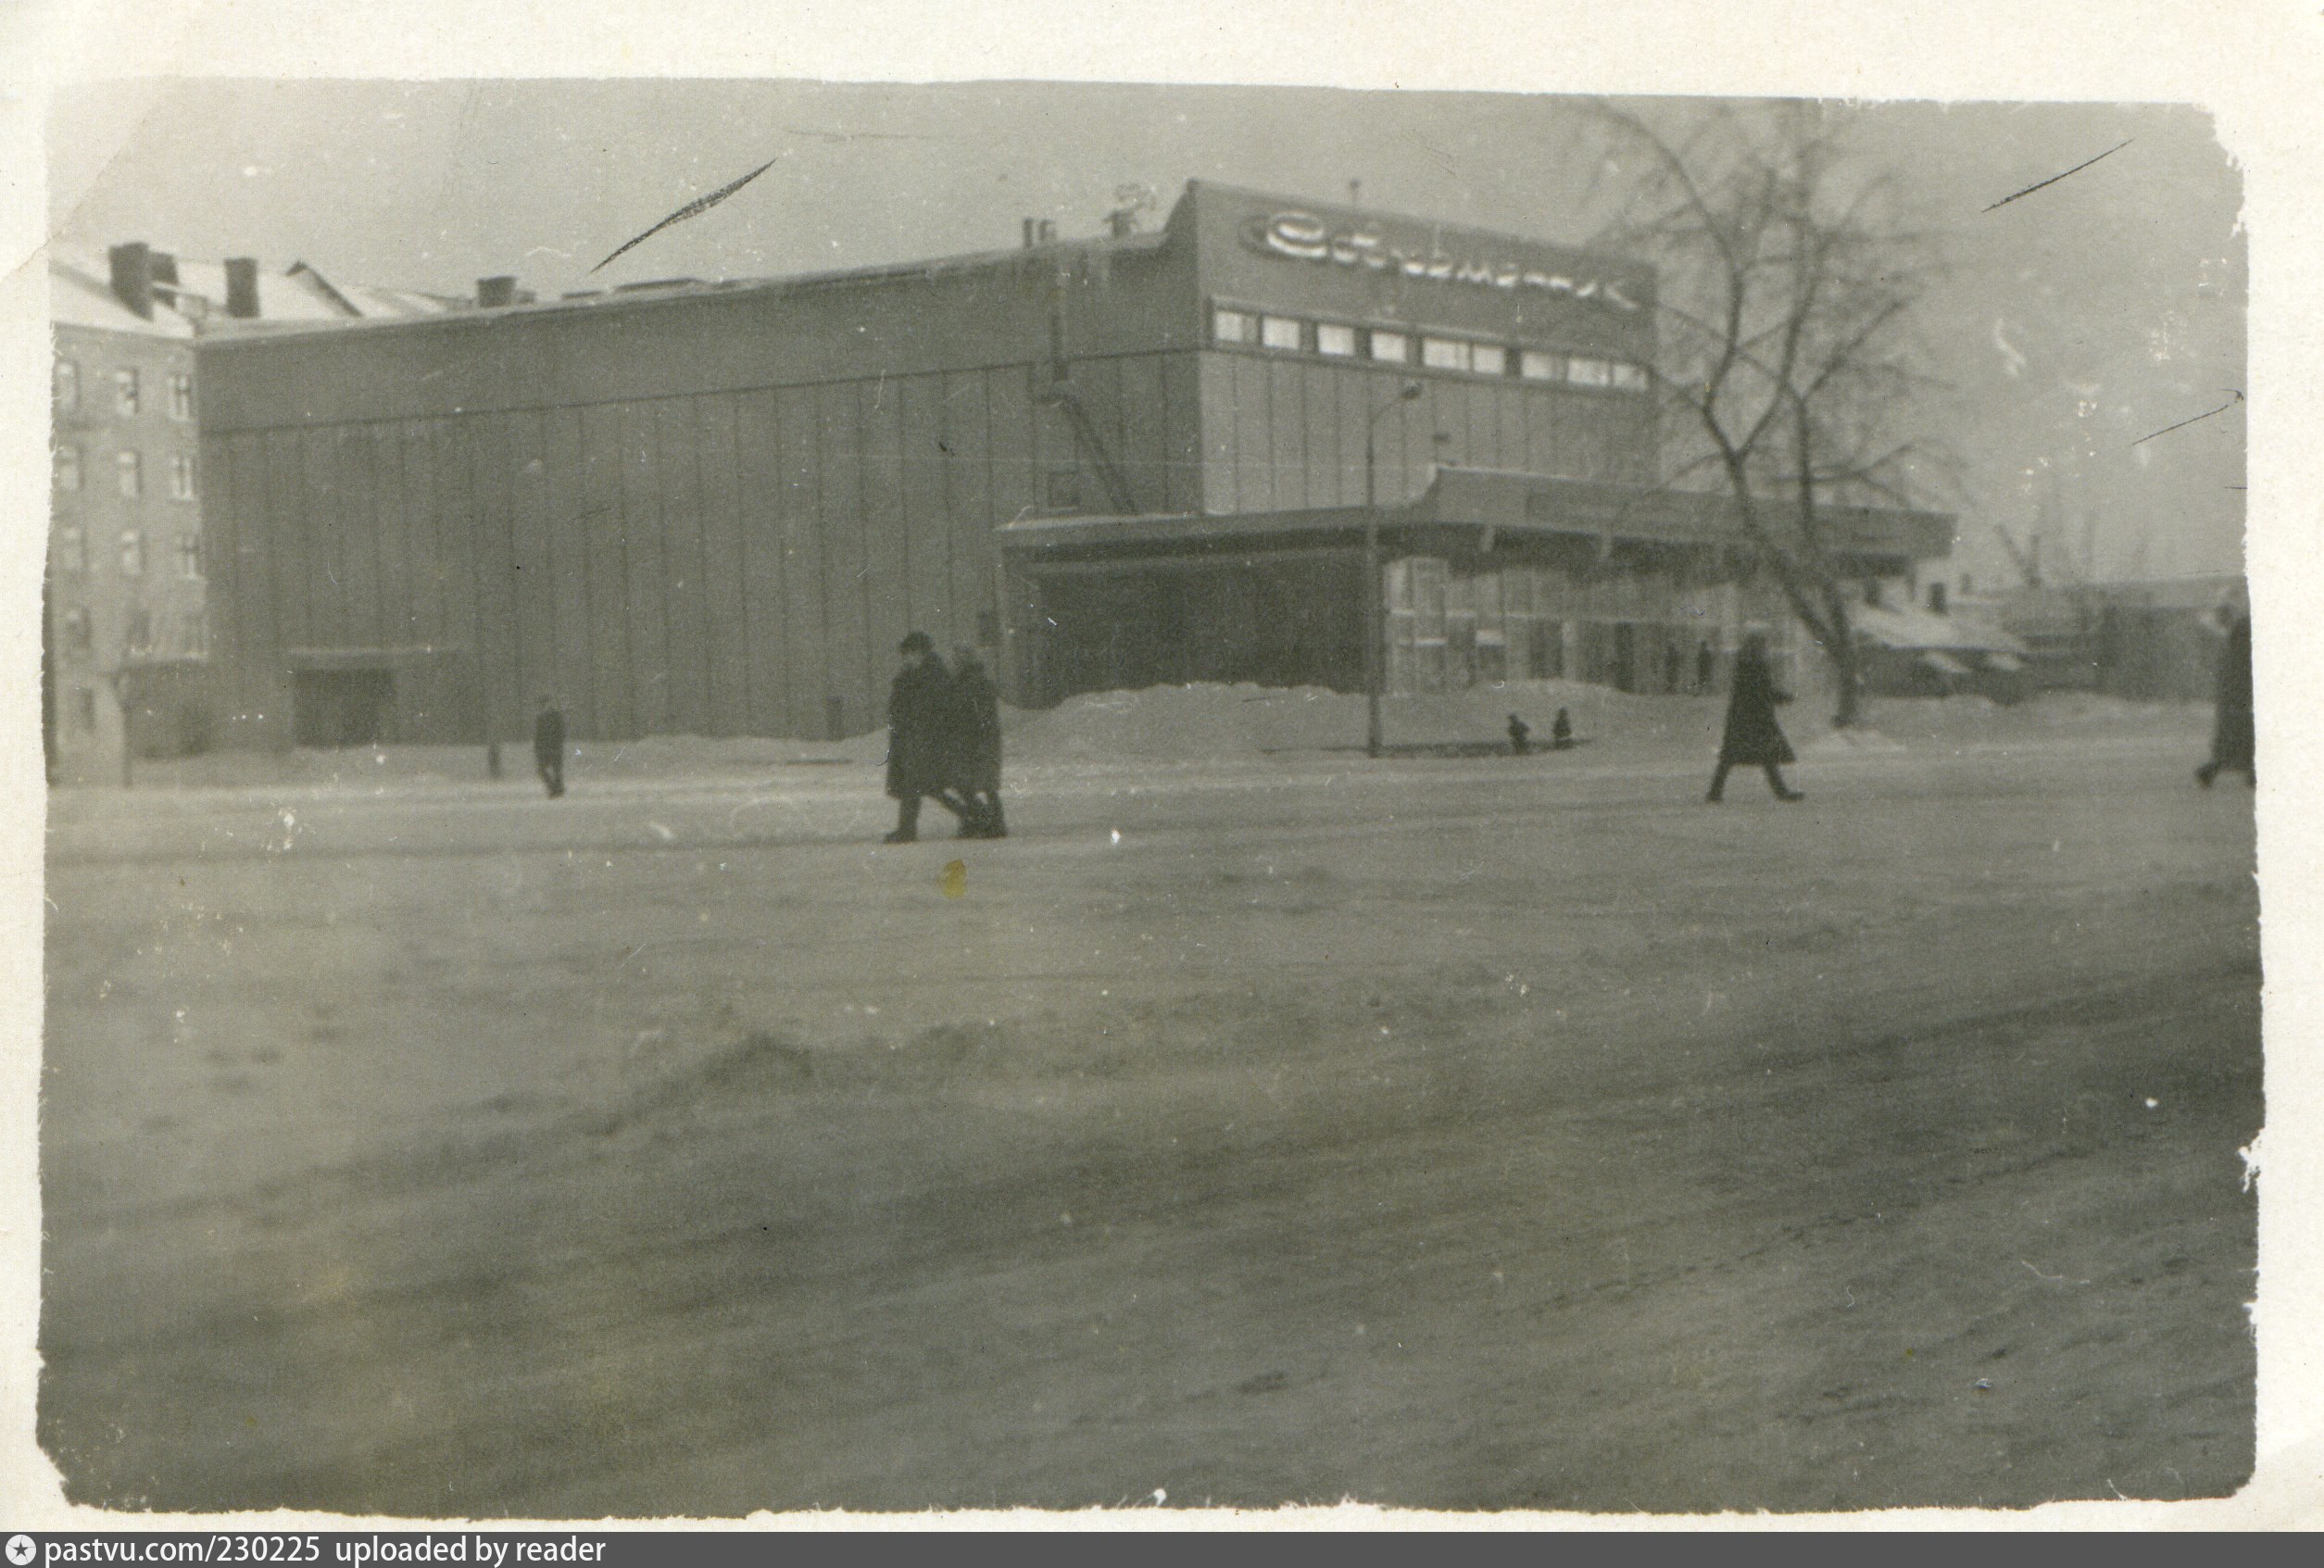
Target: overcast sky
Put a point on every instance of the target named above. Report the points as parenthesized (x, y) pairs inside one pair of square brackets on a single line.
[(2075, 320)]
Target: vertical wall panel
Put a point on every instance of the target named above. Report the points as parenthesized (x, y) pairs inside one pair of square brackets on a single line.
[(1252, 443), (649, 575), (763, 601), (416, 466), (396, 620), (967, 495), (728, 570), (1008, 405), (1287, 434), (1143, 438), (570, 679), (308, 503), (927, 541), (794, 416), (890, 610), (839, 470), (230, 478), (1484, 426), (1186, 479), (358, 524), (677, 481), (1509, 415), (490, 446), (531, 583), (1319, 447), (605, 511), (458, 515)]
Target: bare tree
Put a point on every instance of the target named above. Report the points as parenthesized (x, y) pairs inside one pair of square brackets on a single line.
[(1786, 287)]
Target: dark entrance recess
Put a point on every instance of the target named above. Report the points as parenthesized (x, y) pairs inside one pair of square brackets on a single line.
[(332, 707)]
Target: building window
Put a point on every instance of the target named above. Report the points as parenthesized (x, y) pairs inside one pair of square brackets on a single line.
[(1444, 354), (73, 627), (1232, 326), (1340, 341), (85, 708), (190, 555), (1630, 378), (198, 635), (1589, 372), (181, 476), (1535, 365), (1279, 331), (1488, 360), (181, 396), (125, 392), (131, 469), (1392, 346), (65, 384), (72, 548), (141, 630), (132, 553), (64, 468)]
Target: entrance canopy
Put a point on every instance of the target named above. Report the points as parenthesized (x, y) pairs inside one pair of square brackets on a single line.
[(1465, 511)]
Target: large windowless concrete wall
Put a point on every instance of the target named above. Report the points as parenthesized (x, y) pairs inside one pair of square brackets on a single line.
[(597, 503)]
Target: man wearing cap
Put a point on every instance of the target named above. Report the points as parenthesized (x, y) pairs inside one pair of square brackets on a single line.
[(919, 715)]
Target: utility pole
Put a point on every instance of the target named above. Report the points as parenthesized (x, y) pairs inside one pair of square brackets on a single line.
[(1375, 611)]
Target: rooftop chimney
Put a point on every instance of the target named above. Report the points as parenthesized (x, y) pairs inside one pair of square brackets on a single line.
[(493, 293), (1029, 230), (1049, 230), (242, 288), (133, 277), (161, 267)]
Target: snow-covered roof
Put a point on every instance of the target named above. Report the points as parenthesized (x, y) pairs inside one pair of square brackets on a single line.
[(295, 295), (1891, 626), (79, 298)]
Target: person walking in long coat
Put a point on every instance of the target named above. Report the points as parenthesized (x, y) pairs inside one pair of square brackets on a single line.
[(2234, 744), (918, 717), (1752, 738), (549, 746), (976, 746)]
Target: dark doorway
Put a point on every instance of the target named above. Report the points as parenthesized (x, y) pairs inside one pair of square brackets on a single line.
[(332, 707)]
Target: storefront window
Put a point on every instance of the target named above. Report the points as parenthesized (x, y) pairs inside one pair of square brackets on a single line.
[(1590, 372), (1278, 332), (1535, 365), (1630, 378), (1335, 340), (1488, 360), (1231, 326), (1395, 348)]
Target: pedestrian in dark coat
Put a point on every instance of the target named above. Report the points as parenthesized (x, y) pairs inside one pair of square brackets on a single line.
[(1520, 736), (2234, 745), (548, 747), (1752, 737), (919, 719), (976, 746)]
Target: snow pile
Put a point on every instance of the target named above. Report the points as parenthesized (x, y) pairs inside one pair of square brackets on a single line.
[(1248, 721)]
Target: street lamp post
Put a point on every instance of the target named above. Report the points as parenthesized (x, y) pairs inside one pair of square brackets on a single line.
[(1374, 610)]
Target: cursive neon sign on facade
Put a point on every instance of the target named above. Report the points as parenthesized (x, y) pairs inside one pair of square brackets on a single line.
[(1302, 236)]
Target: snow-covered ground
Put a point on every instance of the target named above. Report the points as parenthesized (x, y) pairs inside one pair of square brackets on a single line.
[(1259, 1123)]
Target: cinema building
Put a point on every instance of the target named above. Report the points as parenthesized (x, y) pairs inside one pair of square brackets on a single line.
[(713, 509)]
